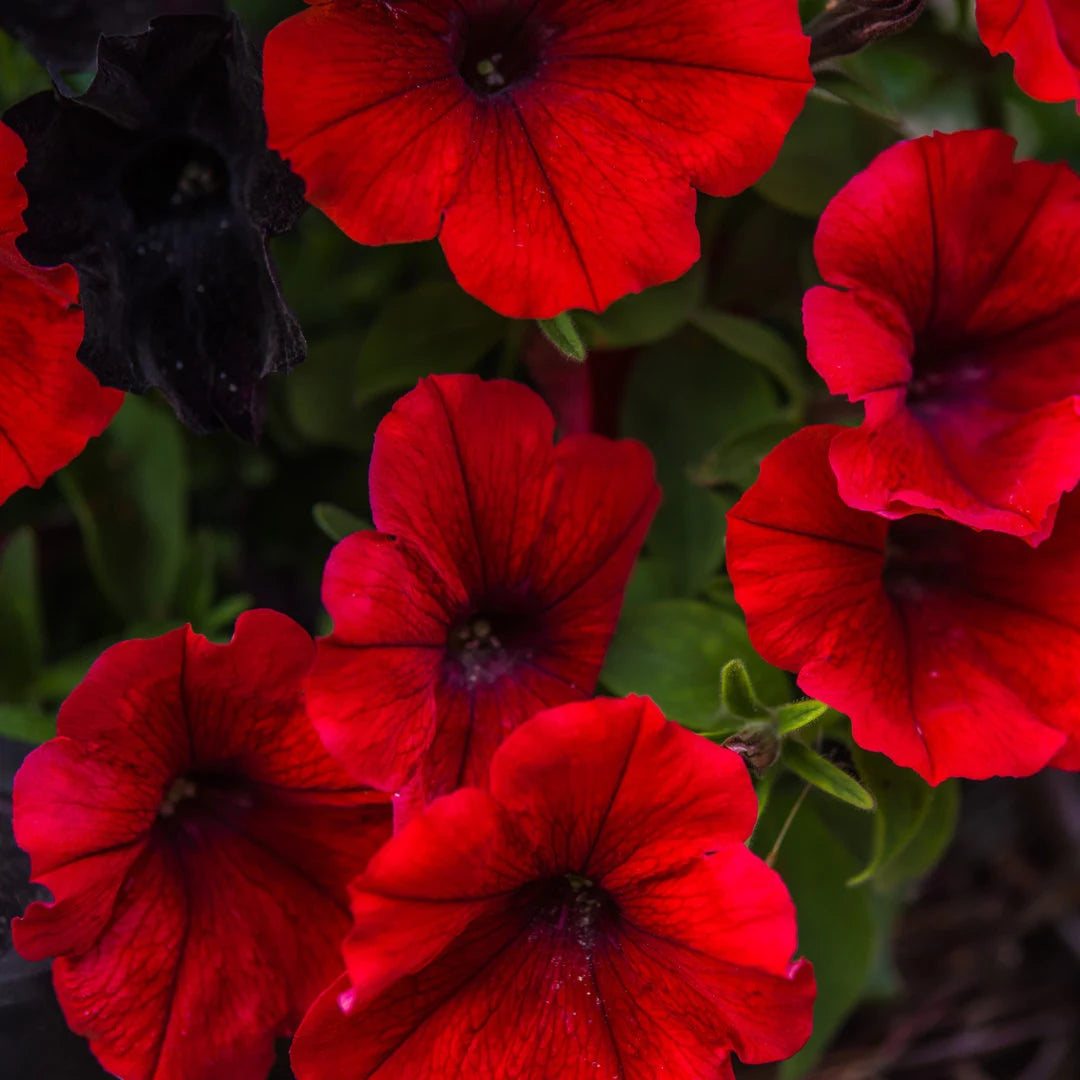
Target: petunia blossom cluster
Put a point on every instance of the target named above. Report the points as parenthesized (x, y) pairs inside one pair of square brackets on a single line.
[(568, 888), (921, 571), (420, 846)]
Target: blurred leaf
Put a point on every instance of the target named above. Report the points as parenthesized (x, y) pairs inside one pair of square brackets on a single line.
[(760, 345), (26, 723), (337, 522), (810, 766), (737, 462), (56, 681), (682, 397), (563, 334), (903, 799), (673, 650), (837, 925), (320, 408), (128, 491), (434, 328), (22, 636), (924, 850), (829, 143), (647, 317), (799, 714), (218, 621)]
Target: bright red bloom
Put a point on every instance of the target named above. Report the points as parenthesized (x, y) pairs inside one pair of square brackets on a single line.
[(596, 915), (953, 651), (50, 403), (491, 592), (553, 145), (197, 840), (1043, 36), (956, 321)]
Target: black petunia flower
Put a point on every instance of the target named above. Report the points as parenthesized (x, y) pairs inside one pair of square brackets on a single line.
[(157, 185), (63, 34)]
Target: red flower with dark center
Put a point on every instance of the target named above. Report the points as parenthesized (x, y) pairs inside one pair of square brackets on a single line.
[(491, 592), (956, 321), (197, 840), (953, 651), (596, 915), (553, 145), (1043, 36), (50, 404)]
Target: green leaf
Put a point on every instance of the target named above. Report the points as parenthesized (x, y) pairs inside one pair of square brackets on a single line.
[(838, 930), (824, 775), (128, 491), (737, 695), (435, 328), (736, 462), (337, 522), (799, 714), (925, 849), (706, 393), (320, 412), (647, 317), (26, 723), (903, 799), (672, 650), (829, 143), (22, 637), (563, 334), (760, 345)]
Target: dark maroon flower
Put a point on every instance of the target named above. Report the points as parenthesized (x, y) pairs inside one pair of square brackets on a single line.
[(158, 187)]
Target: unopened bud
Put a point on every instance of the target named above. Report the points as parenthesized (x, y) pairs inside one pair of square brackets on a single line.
[(846, 26), (757, 744)]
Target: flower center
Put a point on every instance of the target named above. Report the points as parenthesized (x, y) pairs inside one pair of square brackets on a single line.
[(173, 178), (574, 907), (923, 551), (196, 798), (500, 49), (944, 372), (478, 646)]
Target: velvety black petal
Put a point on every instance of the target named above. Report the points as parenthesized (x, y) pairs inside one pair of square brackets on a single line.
[(63, 34), (157, 185)]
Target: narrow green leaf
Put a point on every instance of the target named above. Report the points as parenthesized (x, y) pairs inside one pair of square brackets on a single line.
[(22, 638), (128, 492), (837, 927), (337, 522), (814, 769), (671, 650), (759, 344), (799, 714), (737, 692), (903, 799), (925, 849), (433, 329), (26, 723), (563, 334)]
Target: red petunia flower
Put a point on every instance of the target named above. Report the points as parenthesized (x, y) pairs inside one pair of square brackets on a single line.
[(553, 145), (956, 321), (495, 594), (197, 840), (50, 404), (1043, 36), (953, 651), (596, 915)]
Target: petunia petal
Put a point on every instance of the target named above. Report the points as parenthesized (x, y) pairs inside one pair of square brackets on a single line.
[(1043, 36)]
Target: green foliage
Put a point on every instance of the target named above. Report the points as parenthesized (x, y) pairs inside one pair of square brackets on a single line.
[(128, 493), (810, 766), (672, 650), (432, 329), (22, 635), (336, 522), (564, 335)]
